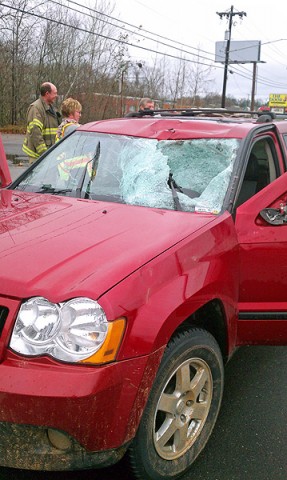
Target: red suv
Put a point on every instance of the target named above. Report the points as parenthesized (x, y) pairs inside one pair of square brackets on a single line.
[(136, 255)]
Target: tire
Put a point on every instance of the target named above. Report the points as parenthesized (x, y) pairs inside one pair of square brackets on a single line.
[(182, 407)]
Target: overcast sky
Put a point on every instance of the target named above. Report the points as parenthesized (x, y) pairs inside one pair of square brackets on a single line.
[(196, 24)]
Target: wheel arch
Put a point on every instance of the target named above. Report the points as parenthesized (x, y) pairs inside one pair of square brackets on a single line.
[(212, 318)]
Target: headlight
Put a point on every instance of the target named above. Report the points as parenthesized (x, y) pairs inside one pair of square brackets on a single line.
[(74, 331)]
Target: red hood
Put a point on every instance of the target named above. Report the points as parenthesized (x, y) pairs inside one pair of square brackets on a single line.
[(60, 247)]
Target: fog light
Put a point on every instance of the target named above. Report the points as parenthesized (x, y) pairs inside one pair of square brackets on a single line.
[(58, 439)]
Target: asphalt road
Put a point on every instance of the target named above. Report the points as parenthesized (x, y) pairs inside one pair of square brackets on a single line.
[(249, 441), (17, 161)]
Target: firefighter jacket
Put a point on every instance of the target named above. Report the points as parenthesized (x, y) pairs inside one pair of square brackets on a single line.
[(42, 124)]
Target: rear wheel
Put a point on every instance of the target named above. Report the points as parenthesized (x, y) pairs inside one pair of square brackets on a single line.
[(182, 407)]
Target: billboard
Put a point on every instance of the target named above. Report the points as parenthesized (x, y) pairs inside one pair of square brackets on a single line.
[(247, 51), (278, 100)]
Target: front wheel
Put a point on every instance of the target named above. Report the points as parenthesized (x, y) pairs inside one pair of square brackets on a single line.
[(182, 407)]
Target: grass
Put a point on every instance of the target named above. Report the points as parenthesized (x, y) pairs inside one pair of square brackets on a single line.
[(13, 129)]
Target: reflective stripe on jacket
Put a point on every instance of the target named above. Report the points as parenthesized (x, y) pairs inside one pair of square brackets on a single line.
[(42, 124), (66, 125), (82, 161)]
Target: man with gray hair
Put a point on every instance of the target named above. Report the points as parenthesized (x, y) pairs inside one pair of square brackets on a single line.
[(146, 107), (146, 104)]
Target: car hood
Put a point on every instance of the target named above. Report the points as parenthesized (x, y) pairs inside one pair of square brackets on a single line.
[(61, 247)]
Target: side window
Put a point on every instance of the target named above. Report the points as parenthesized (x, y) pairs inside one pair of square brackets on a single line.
[(285, 139), (260, 170)]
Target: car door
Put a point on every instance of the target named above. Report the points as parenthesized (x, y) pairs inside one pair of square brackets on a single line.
[(263, 266), (5, 176)]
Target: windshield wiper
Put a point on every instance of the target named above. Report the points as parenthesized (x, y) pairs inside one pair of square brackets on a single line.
[(172, 185), (94, 161), (47, 188), (176, 188)]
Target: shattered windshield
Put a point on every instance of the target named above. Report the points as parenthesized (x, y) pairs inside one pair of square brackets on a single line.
[(187, 175)]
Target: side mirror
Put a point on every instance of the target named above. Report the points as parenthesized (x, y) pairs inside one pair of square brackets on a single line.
[(275, 216)]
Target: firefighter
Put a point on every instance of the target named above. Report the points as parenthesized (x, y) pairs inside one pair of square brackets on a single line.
[(42, 123)]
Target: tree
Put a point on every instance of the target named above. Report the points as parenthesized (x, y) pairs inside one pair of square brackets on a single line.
[(85, 52), (16, 29)]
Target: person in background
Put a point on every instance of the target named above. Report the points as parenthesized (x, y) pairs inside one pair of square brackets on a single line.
[(146, 104), (71, 111), (42, 123), (146, 107)]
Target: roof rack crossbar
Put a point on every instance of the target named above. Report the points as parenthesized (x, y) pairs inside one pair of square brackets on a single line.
[(194, 111)]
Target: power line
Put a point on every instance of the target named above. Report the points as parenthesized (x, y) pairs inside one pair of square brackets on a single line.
[(142, 29), (121, 41), (241, 14), (139, 34)]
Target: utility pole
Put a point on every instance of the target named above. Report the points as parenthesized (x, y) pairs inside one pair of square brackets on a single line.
[(253, 86), (230, 16)]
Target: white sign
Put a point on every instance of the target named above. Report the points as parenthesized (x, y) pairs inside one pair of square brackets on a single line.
[(239, 52)]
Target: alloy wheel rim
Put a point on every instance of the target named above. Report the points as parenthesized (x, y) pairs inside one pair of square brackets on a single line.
[(182, 408)]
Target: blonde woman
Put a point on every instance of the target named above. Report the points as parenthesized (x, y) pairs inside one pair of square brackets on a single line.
[(71, 112)]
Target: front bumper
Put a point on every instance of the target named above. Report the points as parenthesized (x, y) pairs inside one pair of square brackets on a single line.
[(97, 409), (28, 447)]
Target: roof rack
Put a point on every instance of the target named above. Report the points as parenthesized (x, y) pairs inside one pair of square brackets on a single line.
[(210, 112)]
